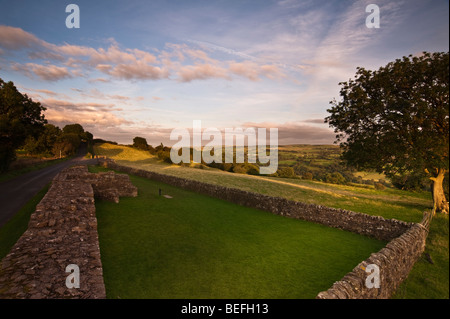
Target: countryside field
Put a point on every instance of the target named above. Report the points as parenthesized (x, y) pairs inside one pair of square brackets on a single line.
[(425, 281)]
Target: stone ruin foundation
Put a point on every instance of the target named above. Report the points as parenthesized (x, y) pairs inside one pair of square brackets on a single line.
[(406, 241), (62, 231)]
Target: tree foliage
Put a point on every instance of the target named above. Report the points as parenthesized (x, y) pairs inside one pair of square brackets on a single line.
[(20, 117), (396, 119), (140, 143)]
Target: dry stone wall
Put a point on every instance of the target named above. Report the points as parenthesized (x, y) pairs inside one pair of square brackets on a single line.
[(372, 226), (61, 232), (394, 262), (406, 241)]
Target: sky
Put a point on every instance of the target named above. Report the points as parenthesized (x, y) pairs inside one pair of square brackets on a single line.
[(145, 68)]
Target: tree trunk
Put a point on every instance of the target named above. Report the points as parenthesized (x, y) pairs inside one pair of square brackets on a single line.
[(439, 201)]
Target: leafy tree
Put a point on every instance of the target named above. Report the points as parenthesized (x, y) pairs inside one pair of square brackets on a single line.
[(20, 117), (43, 144), (140, 143), (74, 129), (396, 119), (66, 144), (286, 172), (335, 178)]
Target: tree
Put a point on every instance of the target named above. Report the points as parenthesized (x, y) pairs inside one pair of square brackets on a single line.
[(140, 143), (396, 119), (20, 117), (74, 129), (66, 144), (43, 144)]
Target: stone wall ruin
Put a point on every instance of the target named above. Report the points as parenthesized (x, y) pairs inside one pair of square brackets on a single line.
[(406, 241), (62, 231)]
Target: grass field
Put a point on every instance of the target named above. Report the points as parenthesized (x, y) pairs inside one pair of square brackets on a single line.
[(425, 281), (195, 246)]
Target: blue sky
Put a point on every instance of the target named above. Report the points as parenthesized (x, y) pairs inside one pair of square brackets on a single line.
[(143, 68)]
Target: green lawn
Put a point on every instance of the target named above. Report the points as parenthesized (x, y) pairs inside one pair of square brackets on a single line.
[(195, 246)]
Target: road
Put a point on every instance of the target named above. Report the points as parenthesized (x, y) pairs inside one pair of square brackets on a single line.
[(17, 192)]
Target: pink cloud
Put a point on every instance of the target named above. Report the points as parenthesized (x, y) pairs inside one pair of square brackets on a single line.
[(246, 69), (201, 72), (125, 64), (254, 71), (15, 38), (99, 114), (44, 72), (138, 70)]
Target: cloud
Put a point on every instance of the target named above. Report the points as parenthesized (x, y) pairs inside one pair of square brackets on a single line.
[(222, 49), (201, 72), (187, 63), (16, 39), (246, 69), (314, 121), (35, 93), (88, 113), (297, 133), (44, 72), (138, 71)]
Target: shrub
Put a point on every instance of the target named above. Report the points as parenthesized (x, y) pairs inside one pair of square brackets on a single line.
[(308, 176), (379, 186), (286, 172), (165, 156), (335, 178)]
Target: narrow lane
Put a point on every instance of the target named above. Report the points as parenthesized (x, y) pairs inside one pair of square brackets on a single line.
[(17, 192)]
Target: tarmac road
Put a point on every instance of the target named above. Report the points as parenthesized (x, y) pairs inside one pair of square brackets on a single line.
[(17, 192)]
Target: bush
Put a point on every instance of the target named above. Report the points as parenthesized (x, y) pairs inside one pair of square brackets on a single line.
[(165, 156), (286, 172), (413, 182), (335, 178), (246, 168), (308, 175), (379, 186)]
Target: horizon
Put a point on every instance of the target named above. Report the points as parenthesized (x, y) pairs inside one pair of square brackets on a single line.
[(143, 69)]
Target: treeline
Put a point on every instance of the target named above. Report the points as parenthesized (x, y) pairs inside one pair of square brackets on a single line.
[(163, 152), (55, 142), (23, 125)]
